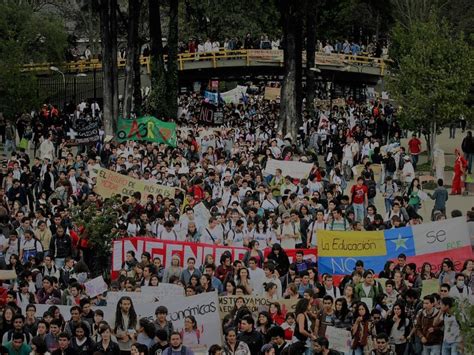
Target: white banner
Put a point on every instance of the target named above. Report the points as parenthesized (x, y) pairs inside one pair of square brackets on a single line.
[(138, 297), (295, 169), (339, 339), (163, 290), (436, 237), (235, 95), (204, 308)]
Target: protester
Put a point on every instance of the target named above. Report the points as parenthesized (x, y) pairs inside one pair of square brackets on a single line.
[(266, 224)]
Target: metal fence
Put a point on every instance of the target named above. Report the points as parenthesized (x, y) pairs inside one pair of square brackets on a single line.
[(58, 90)]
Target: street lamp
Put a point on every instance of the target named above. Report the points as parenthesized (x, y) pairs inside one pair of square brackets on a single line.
[(56, 69), (316, 70)]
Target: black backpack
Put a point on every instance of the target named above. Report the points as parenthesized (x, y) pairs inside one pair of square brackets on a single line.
[(372, 189), (391, 165)]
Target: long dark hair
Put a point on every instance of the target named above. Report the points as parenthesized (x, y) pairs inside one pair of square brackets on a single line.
[(132, 315), (403, 315), (367, 311), (302, 306), (344, 309)]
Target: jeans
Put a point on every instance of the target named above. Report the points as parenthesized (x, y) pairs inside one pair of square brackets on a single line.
[(431, 350), (388, 204), (358, 351), (452, 131), (414, 160), (9, 144), (59, 262), (449, 348), (359, 211), (470, 160)]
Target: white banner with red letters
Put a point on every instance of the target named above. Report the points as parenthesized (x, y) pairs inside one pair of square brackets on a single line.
[(165, 250)]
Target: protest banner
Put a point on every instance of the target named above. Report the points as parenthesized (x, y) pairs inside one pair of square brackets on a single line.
[(206, 113), (148, 128), (110, 183), (429, 287), (339, 339), (335, 102), (204, 307), (235, 95), (163, 290), (255, 304), (428, 242), (273, 55), (211, 97), (272, 93), (83, 130), (295, 169), (95, 286), (138, 297), (7, 274), (165, 250)]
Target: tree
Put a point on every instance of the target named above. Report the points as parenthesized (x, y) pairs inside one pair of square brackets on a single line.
[(164, 79), (431, 76), (97, 226), (290, 104), (25, 36), (311, 11), (133, 56), (108, 25)]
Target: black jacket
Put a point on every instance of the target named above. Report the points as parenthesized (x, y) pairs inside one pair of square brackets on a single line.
[(60, 247), (253, 339)]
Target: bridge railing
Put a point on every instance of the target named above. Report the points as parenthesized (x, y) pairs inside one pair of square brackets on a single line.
[(250, 57)]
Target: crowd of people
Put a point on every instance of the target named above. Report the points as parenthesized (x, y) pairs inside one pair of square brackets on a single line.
[(223, 168)]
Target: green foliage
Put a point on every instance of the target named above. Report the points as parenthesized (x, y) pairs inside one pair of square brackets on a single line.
[(25, 36), (98, 226), (465, 316), (228, 18), (431, 75)]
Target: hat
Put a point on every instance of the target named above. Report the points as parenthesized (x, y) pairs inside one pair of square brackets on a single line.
[(97, 158), (199, 170), (211, 167), (171, 172), (406, 157), (286, 215)]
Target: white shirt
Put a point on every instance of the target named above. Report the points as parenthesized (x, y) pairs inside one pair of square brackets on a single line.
[(172, 235), (213, 235), (408, 172), (257, 278)]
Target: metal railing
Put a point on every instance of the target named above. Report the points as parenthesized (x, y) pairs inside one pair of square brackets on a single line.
[(250, 57)]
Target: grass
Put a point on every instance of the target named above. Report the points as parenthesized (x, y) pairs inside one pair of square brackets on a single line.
[(426, 167)]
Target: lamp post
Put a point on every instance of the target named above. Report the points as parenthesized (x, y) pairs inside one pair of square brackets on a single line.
[(56, 69)]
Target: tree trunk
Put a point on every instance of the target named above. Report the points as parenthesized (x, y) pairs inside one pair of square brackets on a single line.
[(157, 100), (108, 24), (299, 70), (288, 105), (310, 55), (132, 40), (172, 64), (137, 80)]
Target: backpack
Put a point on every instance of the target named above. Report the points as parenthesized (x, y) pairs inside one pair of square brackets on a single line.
[(391, 165), (372, 189)]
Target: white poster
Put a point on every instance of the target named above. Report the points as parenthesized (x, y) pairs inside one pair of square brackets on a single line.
[(204, 308), (295, 169), (95, 286), (435, 237), (339, 339)]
